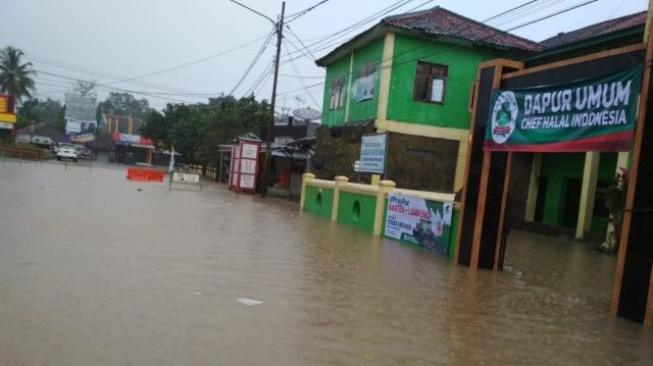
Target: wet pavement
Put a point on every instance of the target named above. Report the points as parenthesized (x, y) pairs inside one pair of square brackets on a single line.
[(95, 272)]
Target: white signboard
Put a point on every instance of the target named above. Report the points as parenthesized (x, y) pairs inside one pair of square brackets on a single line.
[(248, 166), (419, 222), (247, 181), (185, 178), (373, 153), (250, 151)]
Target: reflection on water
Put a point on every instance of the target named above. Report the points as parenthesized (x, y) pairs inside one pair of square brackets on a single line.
[(95, 272)]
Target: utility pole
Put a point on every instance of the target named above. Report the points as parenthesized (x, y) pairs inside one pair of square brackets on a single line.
[(268, 154)]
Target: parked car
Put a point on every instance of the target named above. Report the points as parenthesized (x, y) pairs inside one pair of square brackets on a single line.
[(83, 152), (67, 152)]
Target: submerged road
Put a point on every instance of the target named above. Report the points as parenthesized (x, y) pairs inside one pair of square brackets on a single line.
[(95, 272)]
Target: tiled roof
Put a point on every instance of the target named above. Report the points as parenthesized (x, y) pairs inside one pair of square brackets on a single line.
[(596, 30), (442, 22)]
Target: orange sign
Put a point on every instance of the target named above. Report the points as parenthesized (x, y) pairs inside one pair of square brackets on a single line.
[(4, 104)]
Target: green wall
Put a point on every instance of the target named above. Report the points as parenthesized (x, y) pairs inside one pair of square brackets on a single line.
[(462, 68), (335, 70), (363, 218), (319, 201), (372, 53), (558, 170)]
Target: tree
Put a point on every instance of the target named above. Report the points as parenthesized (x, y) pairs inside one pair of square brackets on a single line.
[(36, 110), (123, 104), (15, 76), (84, 88)]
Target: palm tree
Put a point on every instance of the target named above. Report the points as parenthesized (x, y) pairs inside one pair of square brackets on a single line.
[(15, 77)]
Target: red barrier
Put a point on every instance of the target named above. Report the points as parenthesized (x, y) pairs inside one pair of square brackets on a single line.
[(145, 175)]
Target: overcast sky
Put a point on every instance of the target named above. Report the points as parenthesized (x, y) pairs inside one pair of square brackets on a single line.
[(119, 39)]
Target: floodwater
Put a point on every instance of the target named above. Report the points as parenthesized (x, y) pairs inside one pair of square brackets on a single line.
[(95, 272)]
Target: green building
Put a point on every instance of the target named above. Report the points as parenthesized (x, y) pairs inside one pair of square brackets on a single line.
[(412, 76), (565, 190)]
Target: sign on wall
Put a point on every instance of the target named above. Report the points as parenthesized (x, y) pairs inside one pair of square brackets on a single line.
[(419, 222), (373, 153), (597, 114)]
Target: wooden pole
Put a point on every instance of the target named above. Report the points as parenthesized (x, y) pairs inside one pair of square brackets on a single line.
[(273, 103), (630, 195)]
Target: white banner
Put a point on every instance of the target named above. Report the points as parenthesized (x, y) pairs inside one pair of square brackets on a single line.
[(418, 221)]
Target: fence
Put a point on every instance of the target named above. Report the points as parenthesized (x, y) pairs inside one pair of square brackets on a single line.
[(25, 154), (205, 171), (363, 205)]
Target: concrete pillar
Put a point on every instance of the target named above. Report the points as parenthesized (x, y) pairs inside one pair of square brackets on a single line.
[(350, 76), (533, 187), (385, 187), (306, 178), (588, 193), (386, 76), (340, 180)]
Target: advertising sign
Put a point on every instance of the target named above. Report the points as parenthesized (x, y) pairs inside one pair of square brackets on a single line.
[(597, 114), (373, 153), (420, 222), (363, 88)]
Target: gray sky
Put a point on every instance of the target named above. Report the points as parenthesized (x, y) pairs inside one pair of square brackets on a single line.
[(120, 39)]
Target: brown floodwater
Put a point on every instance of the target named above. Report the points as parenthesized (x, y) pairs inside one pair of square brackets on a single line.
[(95, 272)]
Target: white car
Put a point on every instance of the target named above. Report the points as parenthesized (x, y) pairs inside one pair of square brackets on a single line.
[(67, 152)]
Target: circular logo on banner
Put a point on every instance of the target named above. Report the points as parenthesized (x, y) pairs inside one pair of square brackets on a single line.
[(504, 116)]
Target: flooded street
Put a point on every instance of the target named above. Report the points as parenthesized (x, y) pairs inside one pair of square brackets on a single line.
[(95, 272)]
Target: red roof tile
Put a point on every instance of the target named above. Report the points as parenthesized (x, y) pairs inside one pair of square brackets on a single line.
[(442, 22)]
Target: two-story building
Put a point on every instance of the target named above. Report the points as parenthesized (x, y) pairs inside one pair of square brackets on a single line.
[(412, 76)]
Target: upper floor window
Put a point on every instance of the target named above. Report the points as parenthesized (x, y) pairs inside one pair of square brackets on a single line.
[(337, 93), (364, 87), (430, 82)]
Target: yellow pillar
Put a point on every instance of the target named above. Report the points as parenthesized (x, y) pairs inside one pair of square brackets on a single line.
[(588, 193), (117, 127), (385, 187), (130, 125), (533, 187), (306, 178), (149, 156), (348, 90), (340, 180), (386, 76), (461, 163)]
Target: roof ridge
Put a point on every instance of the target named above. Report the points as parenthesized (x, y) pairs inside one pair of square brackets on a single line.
[(595, 25), (478, 23)]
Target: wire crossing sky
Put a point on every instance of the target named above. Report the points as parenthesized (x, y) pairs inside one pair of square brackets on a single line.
[(172, 52)]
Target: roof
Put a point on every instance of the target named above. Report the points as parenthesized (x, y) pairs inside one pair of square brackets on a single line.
[(443, 24), (42, 129), (596, 30), (439, 21)]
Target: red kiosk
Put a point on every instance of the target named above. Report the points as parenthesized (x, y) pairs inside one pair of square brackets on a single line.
[(244, 168)]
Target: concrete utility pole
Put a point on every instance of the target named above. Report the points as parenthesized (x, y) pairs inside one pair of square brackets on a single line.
[(273, 103)]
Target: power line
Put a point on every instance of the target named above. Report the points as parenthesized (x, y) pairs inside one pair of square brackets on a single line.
[(253, 11), (190, 63), (253, 63), (301, 80), (293, 17), (571, 8)]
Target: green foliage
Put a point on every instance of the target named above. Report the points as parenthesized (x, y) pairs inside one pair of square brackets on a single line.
[(15, 76), (123, 104), (196, 130), (615, 201), (40, 111)]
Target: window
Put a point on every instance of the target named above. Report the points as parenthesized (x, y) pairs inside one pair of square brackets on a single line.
[(430, 82), (363, 88), (337, 93)]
